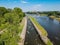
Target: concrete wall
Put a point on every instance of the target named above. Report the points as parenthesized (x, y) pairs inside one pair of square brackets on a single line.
[(22, 35)]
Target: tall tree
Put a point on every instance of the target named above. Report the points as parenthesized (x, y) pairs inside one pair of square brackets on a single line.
[(3, 10)]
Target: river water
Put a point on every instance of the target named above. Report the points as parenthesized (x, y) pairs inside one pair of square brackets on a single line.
[(32, 37), (51, 26)]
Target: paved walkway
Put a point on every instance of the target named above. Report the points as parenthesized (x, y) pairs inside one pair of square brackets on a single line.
[(22, 35)]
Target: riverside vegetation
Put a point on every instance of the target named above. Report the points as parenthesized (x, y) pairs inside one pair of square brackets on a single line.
[(50, 14), (10, 25)]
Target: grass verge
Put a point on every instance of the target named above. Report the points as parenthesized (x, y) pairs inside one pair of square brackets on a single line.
[(39, 26)]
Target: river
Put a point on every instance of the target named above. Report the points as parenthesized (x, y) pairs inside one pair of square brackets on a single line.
[(51, 26)]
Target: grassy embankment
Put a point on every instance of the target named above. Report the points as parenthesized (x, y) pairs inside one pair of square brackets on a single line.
[(39, 26), (43, 14), (42, 30), (54, 17), (58, 19)]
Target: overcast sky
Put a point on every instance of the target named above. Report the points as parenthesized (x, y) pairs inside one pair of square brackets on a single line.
[(32, 5)]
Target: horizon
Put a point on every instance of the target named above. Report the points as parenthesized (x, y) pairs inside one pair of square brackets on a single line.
[(32, 5)]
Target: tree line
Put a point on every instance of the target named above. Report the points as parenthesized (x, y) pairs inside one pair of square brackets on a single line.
[(48, 13)]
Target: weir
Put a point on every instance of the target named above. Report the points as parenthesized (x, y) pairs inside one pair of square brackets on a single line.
[(32, 37)]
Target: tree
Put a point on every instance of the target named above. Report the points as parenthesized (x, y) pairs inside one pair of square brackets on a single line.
[(12, 18), (17, 10), (3, 10), (10, 23), (9, 10)]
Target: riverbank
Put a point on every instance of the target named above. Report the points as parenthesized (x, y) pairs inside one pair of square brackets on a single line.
[(23, 33), (54, 17), (58, 19), (43, 34)]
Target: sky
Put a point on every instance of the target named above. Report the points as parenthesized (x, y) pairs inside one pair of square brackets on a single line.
[(32, 5)]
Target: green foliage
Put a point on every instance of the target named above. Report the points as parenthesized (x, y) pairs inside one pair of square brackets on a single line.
[(17, 10), (49, 42), (2, 11), (46, 13), (8, 39), (2, 20), (10, 20), (9, 10)]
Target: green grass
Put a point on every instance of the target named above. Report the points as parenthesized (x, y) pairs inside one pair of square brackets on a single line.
[(49, 42), (39, 26), (52, 17)]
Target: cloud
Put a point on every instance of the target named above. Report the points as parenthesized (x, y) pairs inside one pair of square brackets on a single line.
[(36, 7), (24, 2)]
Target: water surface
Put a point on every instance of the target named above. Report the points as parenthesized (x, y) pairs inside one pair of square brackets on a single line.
[(52, 27)]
